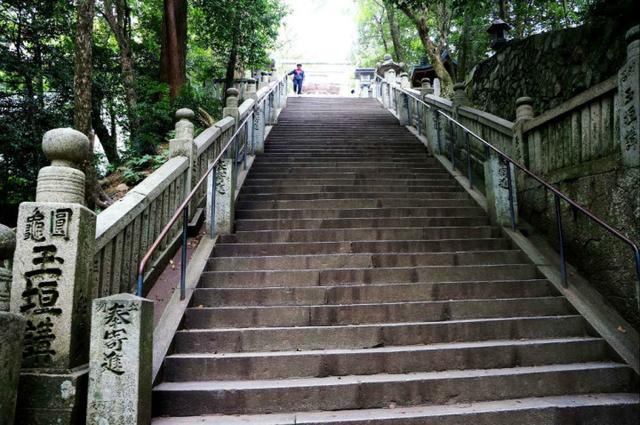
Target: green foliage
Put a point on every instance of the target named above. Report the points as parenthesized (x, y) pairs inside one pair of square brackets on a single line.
[(248, 26), (36, 60), (447, 21)]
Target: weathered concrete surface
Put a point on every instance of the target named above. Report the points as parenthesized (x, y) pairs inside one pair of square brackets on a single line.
[(7, 247), (355, 281), (11, 337), (51, 281), (120, 361), (550, 67), (496, 174), (52, 398), (224, 212)]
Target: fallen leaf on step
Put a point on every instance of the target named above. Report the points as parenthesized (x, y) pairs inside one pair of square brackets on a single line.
[(200, 306), (621, 329), (392, 405)]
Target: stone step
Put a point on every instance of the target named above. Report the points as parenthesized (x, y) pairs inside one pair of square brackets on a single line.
[(457, 211), (339, 204), (312, 277), (255, 197), (348, 314), (371, 293), (360, 173), (589, 409), (376, 335), (356, 155), (378, 391), (337, 160), (364, 234), (276, 181), (393, 360), (280, 189), (359, 223), (332, 261), (389, 246)]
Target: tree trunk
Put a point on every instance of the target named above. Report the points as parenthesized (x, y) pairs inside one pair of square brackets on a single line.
[(395, 31), (173, 51), (381, 29), (232, 61), (107, 139), (430, 48), (83, 68), (463, 58), (119, 21)]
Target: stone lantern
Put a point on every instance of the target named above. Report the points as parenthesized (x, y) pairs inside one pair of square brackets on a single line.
[(497, 31)]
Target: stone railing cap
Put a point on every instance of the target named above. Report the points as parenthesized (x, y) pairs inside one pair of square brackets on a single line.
[(387, 57), (425, 80), (632, 34), (65, 145), (233, 92), (185, 114), (524, 101), (7, 242)]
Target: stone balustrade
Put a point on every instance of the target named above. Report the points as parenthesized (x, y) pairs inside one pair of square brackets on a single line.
[(126, 229)]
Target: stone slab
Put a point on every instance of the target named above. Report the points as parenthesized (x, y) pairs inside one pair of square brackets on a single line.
[(52, 398), (120, 361), (11, 337), (51, 282)]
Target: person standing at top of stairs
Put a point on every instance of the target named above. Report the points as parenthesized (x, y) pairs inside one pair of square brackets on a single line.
[(298, 78)]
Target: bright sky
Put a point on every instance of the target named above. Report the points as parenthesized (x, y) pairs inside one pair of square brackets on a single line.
[(319, 30)]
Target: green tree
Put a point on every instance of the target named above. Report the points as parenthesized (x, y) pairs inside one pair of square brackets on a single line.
[(242, 31)]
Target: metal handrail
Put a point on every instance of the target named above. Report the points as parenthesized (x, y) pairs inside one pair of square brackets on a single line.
[(183, 209), (558, 195)]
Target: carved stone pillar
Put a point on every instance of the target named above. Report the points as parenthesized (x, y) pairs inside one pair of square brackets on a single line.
[(629, 104), (51, 285), (7, 247)]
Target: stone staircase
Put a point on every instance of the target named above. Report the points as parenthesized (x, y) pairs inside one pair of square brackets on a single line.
[(364, 286)]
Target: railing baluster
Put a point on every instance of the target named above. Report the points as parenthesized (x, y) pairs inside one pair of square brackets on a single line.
[(183, 260), (452, 147), (512, 211), (563, 264), (512, 164), (436, 117), (469, 173), (214, 189)]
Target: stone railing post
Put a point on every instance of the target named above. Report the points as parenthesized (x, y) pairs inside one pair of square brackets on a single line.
[(404, 80), (436, 87), (264, 79), (251, 92), (7, 248), (52, 285), (224, 197), (425, 87), (231, 108), (459, 97), (390, 78), (384, 91), (184, 145), (496, 172), (402, 107), (524, 112), (121, 358), (11, 338), (258, 127), (629, 104)]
